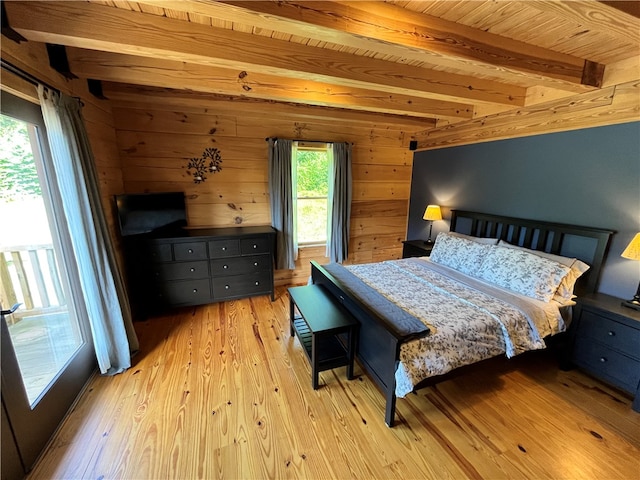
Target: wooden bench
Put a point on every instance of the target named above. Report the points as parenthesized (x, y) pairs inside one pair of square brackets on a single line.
[(322, 320)]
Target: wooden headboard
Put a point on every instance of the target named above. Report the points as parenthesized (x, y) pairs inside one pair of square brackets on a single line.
[(584, 243)]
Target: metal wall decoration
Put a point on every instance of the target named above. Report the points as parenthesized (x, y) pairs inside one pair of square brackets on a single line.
[(210, 162)]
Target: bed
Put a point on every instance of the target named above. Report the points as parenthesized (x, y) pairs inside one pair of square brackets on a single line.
[(475, 297)]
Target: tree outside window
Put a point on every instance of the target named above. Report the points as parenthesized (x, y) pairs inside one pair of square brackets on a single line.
[(312, 178), (18, 175)]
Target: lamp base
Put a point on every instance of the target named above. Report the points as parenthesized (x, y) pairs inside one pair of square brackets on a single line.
[(635, 304)]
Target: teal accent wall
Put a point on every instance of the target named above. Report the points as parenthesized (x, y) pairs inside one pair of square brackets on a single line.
[(587, 177)]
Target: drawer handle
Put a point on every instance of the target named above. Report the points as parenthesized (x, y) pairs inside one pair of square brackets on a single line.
[(225, 266), (603, 360), (224, 249), (612, 333), (190, 251), (226, 287), (255, 264), (192, 269), (195, 290), (255, 246), (257, 283)]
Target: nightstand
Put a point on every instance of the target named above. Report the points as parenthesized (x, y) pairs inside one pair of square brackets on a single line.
[(606, 342), (416, 248)]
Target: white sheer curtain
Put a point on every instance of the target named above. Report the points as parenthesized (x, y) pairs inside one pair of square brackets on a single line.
[(71, 171)]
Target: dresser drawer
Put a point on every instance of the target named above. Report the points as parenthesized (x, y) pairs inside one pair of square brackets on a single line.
[(241, 285), (190, 251), (249, 246), (224, 248), (623, 371), (223, 267), (611, 333), (187, 292), (181, 270), (160, 252)]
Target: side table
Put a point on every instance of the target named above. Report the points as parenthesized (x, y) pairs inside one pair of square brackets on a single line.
[(416, 248), (606, 342)]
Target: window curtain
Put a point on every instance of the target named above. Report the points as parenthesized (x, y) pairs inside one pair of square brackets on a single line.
[(281, 188), (73, 180), (340, 192)]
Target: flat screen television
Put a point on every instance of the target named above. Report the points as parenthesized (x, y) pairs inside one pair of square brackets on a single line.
[(150, 212)]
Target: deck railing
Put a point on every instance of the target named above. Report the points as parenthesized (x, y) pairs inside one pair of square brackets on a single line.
[(29, 275)]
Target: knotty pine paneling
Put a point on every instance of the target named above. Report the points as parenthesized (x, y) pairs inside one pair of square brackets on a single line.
[(381, 155), (240, 192), (155, 145), (319, 131), (380, 190), (180, 122), (173, 169)]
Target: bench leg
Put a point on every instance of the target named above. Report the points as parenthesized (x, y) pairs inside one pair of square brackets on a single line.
[(390, 408), (314, 362), (291, 312), (352, 352)]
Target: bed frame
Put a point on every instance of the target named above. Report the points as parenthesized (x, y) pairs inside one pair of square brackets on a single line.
[(379, 347)]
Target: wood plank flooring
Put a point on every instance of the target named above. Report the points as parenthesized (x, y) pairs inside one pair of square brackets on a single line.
[(222, 391)]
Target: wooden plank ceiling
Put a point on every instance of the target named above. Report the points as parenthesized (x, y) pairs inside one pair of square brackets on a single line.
[(426, 64)]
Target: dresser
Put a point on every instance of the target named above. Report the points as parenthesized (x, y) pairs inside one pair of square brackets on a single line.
[(606, 342), (198, 266)]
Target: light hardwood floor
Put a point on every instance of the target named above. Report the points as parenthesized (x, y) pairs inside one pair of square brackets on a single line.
[(222, 391)]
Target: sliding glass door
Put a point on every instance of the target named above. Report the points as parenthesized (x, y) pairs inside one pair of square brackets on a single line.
[(47, 355)]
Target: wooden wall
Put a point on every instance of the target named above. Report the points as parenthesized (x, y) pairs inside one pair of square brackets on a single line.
[(156, 137)]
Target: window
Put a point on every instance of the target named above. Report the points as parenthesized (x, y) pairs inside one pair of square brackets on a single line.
[(311, 184), (326, 221)]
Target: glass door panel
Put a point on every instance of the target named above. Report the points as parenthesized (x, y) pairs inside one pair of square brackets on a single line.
[(44, 331)]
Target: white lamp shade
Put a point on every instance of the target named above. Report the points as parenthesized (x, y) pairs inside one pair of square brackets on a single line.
[(632, 251), (432, 212)]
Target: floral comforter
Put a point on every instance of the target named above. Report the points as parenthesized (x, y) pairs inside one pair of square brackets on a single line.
[(469, 320)]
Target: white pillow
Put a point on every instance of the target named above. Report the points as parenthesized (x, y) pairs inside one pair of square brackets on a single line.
[(523, 272), (459, 253), (485, 240), (565, 289)]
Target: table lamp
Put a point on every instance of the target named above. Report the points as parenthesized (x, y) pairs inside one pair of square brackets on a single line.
[(632, 252), (431, 213)]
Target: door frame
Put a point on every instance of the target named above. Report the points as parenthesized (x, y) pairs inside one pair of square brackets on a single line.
[(32, 428)]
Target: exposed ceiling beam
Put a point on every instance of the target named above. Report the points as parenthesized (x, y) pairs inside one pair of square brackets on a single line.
[(204, 78), (622, 72), (100, 27), (383, 27), (607, 106), (266, 15), (134, 96)]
